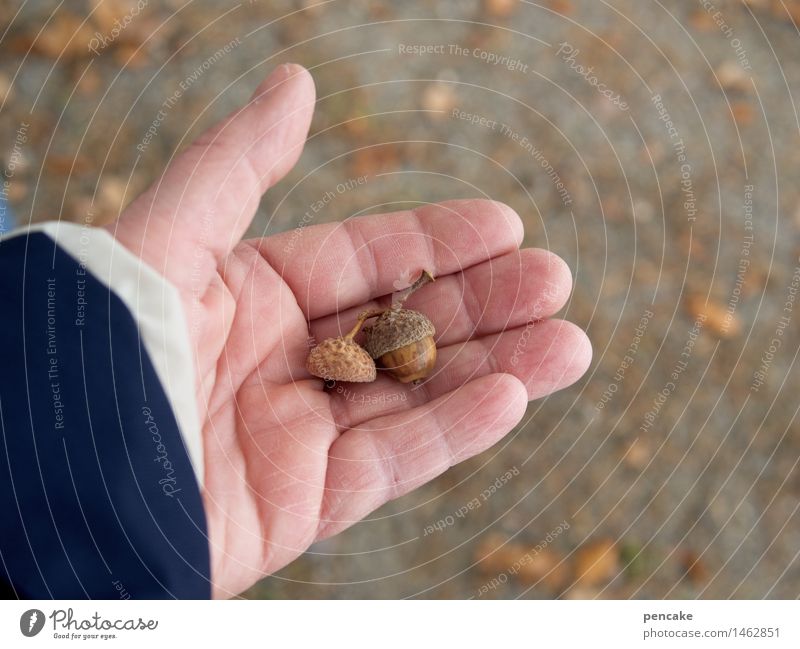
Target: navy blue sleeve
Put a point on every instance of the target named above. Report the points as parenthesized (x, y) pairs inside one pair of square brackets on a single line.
[(98, 497)]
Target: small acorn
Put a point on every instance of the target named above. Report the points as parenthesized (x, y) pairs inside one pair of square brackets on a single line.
[(342, 359), (401, 340)]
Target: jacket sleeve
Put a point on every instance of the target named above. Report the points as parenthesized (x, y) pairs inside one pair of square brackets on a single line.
[(101, 456)]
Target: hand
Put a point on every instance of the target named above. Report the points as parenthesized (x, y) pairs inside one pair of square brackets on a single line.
[(288, 463)]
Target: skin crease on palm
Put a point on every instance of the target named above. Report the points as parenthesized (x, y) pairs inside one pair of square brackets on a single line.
[(288, 463)]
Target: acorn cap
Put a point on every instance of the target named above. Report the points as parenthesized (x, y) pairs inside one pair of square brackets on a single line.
[(396, 328), (340, 359)]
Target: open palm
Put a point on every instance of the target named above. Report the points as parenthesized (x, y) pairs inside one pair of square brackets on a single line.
[(287, 461)]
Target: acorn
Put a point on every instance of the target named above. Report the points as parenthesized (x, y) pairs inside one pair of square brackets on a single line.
[(343, 359), (401, 340)]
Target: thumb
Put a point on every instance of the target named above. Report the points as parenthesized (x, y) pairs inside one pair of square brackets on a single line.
[(199, 209)]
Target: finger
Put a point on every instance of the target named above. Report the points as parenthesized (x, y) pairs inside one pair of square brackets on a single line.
[(498, 294), (336, 266), (203, 203), (389, 456), (545, 357)]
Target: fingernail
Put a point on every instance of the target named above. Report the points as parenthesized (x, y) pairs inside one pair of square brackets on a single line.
[(278, 76)]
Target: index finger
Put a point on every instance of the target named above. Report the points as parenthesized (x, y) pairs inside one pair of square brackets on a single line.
[(336, 266)]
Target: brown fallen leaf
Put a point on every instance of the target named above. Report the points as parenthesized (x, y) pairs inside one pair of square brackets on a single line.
[(495, 554), (66, 36), (114, 193), (563, 7), (17, 190), (581, 593), (89, 82), (717, 319), (356, 125), (6, 91), (63, 165), (701, 21), (375, 159), (694, 568), (440, 98), (743, 113), (692, 244), (733, 77), (781, 9), (595, 563), (500, 8), (546, 566), (106, 14), (638, 454), (130, 55)]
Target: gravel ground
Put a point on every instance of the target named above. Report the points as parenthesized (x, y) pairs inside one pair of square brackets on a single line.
[(666, 175)]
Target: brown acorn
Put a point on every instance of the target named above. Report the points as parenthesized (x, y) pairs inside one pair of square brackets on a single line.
[(401, 340), (342, 359)]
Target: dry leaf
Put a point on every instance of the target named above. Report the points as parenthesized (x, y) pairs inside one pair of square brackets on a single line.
[(580, 593), (495, 554), (743, 113), (114, 194), (64, 165), (130, 55), (595, 563), (702, 21), (500, 8), (695, 568), (80, 209), (107, 13), (638, 454), (90, 82), (17, 190), (374, 159), (717, 318), (692, 244), (439, 98), (563, 7), (312, 8), (546, 566), (6, 91), (733, 77), (66, 36), (783, 9)]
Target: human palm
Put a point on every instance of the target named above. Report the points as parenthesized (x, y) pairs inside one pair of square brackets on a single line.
[(287, 461)]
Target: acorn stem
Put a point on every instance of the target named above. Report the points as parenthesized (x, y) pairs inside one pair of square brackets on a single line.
[(423, 279), (362, 317)]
